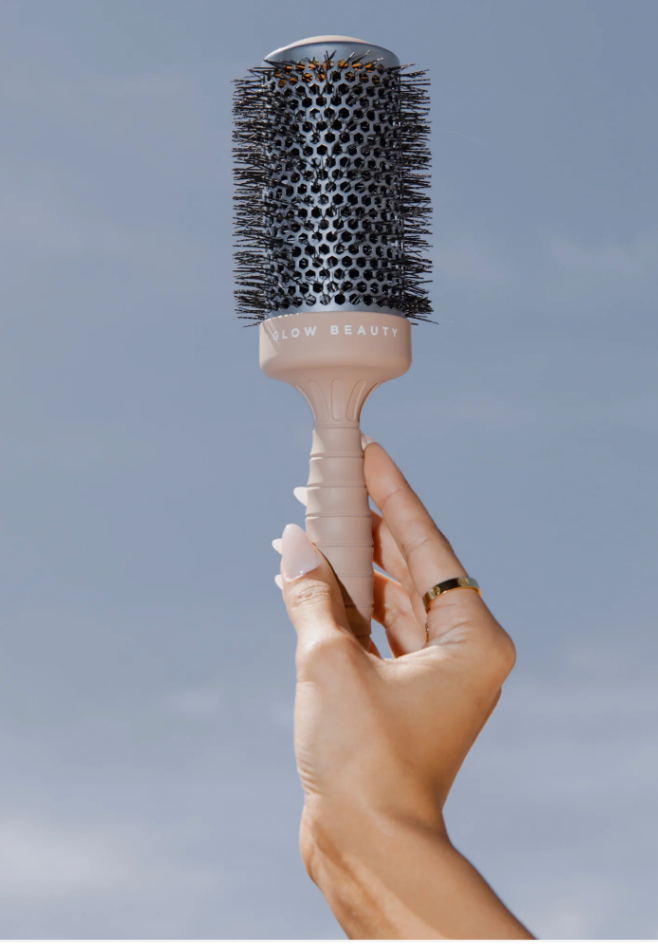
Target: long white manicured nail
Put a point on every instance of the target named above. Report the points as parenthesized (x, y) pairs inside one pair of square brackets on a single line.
[(278, 581), (365, 440), (301, 494), (299, 555), (276, 544)]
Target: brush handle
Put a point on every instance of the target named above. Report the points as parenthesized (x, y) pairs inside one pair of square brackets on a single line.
[(336, 359), (338, 518)]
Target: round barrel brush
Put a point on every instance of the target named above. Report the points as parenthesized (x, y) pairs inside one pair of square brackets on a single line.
[(331, 164)]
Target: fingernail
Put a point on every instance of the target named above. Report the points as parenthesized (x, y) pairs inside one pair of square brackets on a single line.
[(301, 494), (299, 555), (276, 544), (365, 440), (278, 581)]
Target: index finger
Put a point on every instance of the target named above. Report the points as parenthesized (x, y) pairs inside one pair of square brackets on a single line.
[(428, 553)]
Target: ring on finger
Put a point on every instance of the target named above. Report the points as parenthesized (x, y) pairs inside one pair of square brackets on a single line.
[(454, 583)]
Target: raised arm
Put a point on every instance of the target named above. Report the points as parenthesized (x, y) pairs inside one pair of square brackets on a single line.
[(379, 742)]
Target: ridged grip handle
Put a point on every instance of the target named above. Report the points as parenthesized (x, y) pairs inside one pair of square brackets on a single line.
[(338, 518)]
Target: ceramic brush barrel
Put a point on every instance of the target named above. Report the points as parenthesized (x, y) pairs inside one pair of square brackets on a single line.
[(331, 215), (331, 151)]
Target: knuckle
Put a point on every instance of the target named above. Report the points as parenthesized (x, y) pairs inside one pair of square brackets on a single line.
[(392, 613), (331, 651), (416, 544), (500, 652), (310, 594)]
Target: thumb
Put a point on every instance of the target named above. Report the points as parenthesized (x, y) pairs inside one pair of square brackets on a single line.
[(310, 591)]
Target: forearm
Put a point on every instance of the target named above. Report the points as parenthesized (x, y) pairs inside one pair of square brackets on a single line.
[(389, 879)]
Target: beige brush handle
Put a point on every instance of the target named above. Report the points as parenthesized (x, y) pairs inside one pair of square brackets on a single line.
[(338, 517), (336, 359)]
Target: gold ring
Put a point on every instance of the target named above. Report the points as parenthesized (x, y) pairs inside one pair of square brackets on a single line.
[(455, 583)]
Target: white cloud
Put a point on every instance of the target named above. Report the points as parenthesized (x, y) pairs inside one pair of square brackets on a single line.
[(82, 881), (567, 921), (38, 860)]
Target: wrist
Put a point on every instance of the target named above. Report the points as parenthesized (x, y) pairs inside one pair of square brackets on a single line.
[(392, 876), (357, 826), (362, 860)]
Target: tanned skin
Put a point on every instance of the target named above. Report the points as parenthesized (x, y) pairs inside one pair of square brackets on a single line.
[(379, 742)]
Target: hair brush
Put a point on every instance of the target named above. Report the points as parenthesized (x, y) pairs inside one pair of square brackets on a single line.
[(331, 160)]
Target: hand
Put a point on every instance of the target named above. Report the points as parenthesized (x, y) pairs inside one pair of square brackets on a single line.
[(379, 742)]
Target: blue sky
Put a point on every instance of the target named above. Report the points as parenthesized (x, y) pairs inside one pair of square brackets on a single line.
[(148, 781)]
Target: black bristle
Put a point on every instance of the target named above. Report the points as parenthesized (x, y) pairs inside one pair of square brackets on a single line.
[(331, 168)]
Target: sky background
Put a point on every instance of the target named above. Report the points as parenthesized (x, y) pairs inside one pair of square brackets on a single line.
[(147, 776)]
